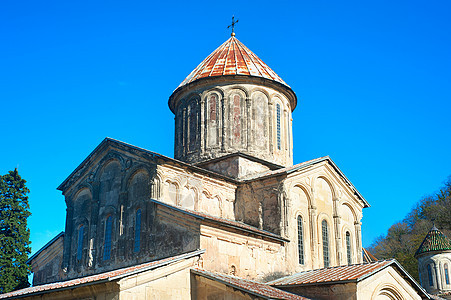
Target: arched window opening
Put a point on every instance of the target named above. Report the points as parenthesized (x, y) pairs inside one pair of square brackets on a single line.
[(107, 240), (446, 274), (325, 244), (348, 247), (278, 125), (137, 245), (431, 283), (81, 230), (300, 241)]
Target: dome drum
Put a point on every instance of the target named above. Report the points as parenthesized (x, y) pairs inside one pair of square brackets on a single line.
[(219, 118)]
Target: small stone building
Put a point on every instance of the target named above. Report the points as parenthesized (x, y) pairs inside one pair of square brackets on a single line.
[(230, 213), (434, 263)]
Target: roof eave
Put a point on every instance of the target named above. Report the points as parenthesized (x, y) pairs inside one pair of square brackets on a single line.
[(285, 89)]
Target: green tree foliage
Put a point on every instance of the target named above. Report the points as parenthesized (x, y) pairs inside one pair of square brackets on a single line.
[(405, 237), (14, 233)]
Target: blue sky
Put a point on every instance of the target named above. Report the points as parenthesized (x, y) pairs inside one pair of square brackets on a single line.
[(372, 80)]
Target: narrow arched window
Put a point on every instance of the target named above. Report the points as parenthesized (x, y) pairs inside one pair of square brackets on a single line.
[(278, 125), (107, 240), (446, 274), (348, 247), (325, 243), (81, 230), (300, 241), (137, 231), (431, 283)]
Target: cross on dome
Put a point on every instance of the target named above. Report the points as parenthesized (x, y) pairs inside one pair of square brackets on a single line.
[(233, 25)]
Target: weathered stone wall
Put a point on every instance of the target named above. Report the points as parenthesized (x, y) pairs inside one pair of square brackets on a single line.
[(46, 266), (295, 206), (102, 291), (216, 119), (344, 291), (235, 167), (438, 262), (196, 191), (204, 288), (386, 284), (242, 255), (110, 202), (168, 282), (315, 195)]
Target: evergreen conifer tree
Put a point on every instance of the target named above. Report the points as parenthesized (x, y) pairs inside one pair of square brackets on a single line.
[(14, 232)]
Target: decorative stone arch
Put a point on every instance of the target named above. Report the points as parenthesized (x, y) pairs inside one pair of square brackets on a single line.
[(388, 290), (218, 90), (196, 195), (136, 169), (354, 214), (328, 181), (211, 118), (253, 91), (177, 185), (307, 191), (81, 188), (282, 98), (241, 88), (106, 160), (156, 185)]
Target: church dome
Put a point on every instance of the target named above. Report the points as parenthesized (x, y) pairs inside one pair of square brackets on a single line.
[(232, 103), (435, 240), (232, 58)]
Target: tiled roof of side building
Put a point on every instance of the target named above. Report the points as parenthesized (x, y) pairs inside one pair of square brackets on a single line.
[(333, 274), (435, 240), (97, 278), (251, 287), (232, 58), (344, 274)]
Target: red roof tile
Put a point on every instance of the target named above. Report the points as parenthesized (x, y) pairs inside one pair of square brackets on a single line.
[(107, 276), (333, 274), (232, 58), (249, 286)]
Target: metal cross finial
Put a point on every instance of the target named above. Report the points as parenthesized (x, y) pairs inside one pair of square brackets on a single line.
[(233, 25)]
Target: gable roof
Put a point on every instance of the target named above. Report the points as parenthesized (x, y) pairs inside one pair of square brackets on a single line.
[(224, 222), (61, 234), (98, 278), (345, 274), (367, 256), (147, 153), (304, 165), (435, 240), (248, 286)]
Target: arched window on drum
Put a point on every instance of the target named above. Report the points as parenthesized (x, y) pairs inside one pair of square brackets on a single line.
[(431, 282)]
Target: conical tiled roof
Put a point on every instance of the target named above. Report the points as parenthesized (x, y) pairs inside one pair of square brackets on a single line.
[(232, 58), (435, 240)]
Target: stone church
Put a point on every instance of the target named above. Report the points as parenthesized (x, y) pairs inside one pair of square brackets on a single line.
[(230, 217)]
